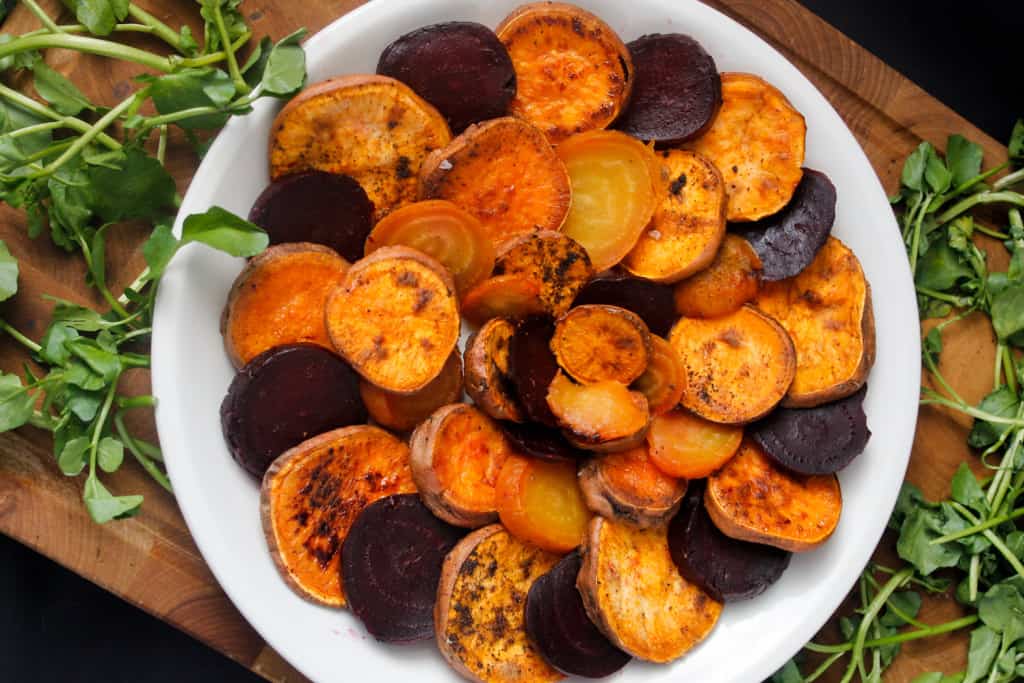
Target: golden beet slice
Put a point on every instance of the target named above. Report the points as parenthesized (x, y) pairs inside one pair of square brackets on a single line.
[(594, 343), (603, 416)]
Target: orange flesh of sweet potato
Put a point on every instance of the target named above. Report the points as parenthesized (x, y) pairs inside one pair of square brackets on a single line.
[(502, 296), (732, 279), (753, 499), (279, 299), (627, 486), (312, 494), (555, 260), (738, 367), (395, 318), (688, 223), (826, 309), (488, 381), (664, 379), (599, 415), (402, 412), (594, 343), (505, 174), (757, 142)]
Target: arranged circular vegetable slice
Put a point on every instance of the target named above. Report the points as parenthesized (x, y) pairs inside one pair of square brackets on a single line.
[(602, 416), (682, 444), (488, 380), (402, 412), (595, 342), (391, 563), (630, 488), (460, 67), (503, 296), (539, 501), (553, 259), (533, 366), (732, 279), (651, 301), (664, 380), (541, 442)]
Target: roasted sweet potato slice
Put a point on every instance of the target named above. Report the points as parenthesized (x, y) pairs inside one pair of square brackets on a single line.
[(488, 381), (753, 499), (595, 343), (603, 416), (402, 412), (373, 128), (502, 296), (457, 454), (279, 298), (540, 502), (732, 279), (738, 367), (479, 616), (757, 142), (664, 379), (505, 173), (826, 309), (682, 444), (558, 262), (688, 223), (394, 317), (573, 72), (312, 494), (653, 613), (629, 488)]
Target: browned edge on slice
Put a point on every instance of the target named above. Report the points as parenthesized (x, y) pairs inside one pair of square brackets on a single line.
[(558, 262), (402, 412), (602, 417), (628, 487), (488, 382), (596, 342)]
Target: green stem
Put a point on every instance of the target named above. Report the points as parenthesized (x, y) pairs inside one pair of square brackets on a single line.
[(51, 26), (894, 607), (130, 402), (997, 542), (991, 233), (30, 105), (87, 137), (216, 57), (941, 296), (916, 241), (101, 420), (133, 448), (20, 338), (1011, 368), (973, 412), (37, 128), (135, 360), (161, 145), (89, 45), (870, 614), (907, 636), (141, 332), (135, 285), (49, 151), (1009, 179), (174, 117), (41, 420), (977, 528), (241, 87), (157, 27), (929, 363), (998, 376), (825, 666), (980, 198)]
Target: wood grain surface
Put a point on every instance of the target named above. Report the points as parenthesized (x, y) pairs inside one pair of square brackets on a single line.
[(151, 560)]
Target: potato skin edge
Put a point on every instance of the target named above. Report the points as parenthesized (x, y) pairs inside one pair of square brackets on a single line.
[(601, 500)]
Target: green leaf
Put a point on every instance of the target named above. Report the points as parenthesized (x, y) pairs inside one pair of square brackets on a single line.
[(908, 602), (909, 500), (918, 530), (84, 404), (1008, 311), (913, 167), (941, 267), (963, 158), (1002, 610), (936, 174), (159, 249), (967, 491), (110, 454), (285, 70), (224, 231), (141, 189), (1016, 146), (58, 90), (256, 64), (99, 16), (104, 363), (103, 506), (80, 375), (72, 458), (77, 317), (8, 273), (194, 88), (16, 403), (981, 654), (72, 197), (789, 673)]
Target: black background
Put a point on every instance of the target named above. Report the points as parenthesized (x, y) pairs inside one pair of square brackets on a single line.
[(55, 626)]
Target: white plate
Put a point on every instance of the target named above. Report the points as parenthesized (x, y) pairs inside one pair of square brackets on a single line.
[(191, 372)]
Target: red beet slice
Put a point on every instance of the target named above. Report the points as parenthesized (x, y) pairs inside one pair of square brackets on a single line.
[(541, 442), (460, 67), (532, 366), (651, 301), (391, 564), (284, 396), (676, 90), (558, 626), (788, 241), (314, 206), (819, 440), (724, 568)]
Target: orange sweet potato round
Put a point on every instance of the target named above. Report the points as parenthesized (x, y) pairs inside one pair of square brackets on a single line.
[(664, 379), (488, 381), (732, 279), (603, 416), (502, 296), (402, 412), (556, 261), (628, 487), (594, 343)]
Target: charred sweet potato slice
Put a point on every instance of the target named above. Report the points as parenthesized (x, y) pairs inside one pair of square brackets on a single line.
[(503, 172), (738, 367), (653, 614), (540, 502), (313, 493), (595, 343), (402, 412), (279, 298), (732, 279), (826, 309), (757, 142), (603, 416), (664, 379), (688, 224), (373, 128), (502, 296), (573, 72), (629, 488), (488, 379), (753, 499), (558, 262), (394, 317), (479, 616)]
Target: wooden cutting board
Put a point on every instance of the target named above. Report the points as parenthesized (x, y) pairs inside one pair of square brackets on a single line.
[(151, 560)]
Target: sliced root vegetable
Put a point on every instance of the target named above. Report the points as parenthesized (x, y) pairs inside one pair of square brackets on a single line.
[(664, 379), (460, 67), (391, 563), (682, 444), (653, 614), (753, 499), (533, 366), (502, 296), (457, 455), (540, 502), (628, 487), (479, 616), (732, 279), (757, 142), (826, 309), (373, 128), (313, 493), (442, 231), (530, 438), (724, 568), (395, 318), (613, 193), (651, 301), (594, 343), (505, 174), (320, 390), (738, 367), (555, 260), (603, 416), (402, 412), (573, 72), (688, 224), (488, 380), (318, 207)]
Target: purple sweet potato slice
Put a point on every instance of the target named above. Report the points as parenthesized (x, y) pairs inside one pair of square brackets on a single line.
[(541, 442), (676, 92), (284, 396), (819, 440), (532, 366), (788, 241), (313, 206), (726, 569), (653, 302), (460, 67), (390, 566), (559, 628)]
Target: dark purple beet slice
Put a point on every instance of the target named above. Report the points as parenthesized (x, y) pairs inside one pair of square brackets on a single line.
[(314, 206), (651, 301), (676, 90), (724, 568), (284, 396), (819, 440), (532, 366), (788, 241), (460, 67), (541, 442), (560, 629), (391, 564)]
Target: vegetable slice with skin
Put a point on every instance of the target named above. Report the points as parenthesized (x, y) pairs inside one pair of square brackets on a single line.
[(731, 280), (603, 416), (402, 412), (502, 296), (664, 380), (594, 343), (540, 502), (538, 441), (629, 487), (533, 367), (682, 444), (488, 380), (555, 260)]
